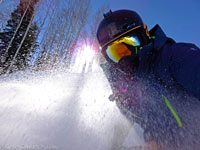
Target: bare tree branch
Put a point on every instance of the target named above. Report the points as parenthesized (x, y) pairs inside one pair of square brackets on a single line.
[(13, 60), (6, 52)]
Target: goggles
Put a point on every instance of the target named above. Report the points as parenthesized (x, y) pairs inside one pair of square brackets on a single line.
[(121, 48)]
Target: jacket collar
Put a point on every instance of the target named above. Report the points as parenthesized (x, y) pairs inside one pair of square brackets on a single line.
[(159, 37), (146, 54)]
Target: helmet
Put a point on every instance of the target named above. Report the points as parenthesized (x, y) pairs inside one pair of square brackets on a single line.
[(119, 23)]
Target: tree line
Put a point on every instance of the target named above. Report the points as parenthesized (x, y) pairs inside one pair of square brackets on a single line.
[(41, 34)]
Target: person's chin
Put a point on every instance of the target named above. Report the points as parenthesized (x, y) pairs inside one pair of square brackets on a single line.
[(127, 65)]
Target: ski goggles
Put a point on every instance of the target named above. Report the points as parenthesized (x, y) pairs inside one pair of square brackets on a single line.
[(121, 48)]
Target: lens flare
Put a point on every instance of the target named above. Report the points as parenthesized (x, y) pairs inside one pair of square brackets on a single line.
[(84, 59)]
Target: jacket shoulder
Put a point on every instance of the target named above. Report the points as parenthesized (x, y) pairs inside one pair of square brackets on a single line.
[(181, 50), (183, 45)]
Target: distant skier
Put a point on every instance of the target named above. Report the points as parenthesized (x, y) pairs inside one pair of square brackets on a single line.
[(155, 81)]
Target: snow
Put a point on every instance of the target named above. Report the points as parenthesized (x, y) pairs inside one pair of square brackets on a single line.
[(61, 111)]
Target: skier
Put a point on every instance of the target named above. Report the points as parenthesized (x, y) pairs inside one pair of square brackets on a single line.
[(155, 81)]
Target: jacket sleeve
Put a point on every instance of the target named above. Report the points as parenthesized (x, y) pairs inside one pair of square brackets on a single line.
[(185, 67)]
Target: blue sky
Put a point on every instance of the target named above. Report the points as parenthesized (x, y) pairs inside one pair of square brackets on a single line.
[(180, 19)]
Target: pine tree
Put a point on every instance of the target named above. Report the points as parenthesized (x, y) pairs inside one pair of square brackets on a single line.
[(17, 41)]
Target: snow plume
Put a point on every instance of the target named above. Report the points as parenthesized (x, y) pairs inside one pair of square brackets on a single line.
[(61, 111)]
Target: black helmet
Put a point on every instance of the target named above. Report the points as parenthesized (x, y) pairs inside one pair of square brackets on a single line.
[(119, 23)]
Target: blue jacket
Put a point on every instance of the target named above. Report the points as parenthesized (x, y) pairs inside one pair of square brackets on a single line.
[(173, 63)]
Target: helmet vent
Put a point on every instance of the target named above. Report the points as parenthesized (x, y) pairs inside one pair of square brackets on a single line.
[(108, 14), (129, 25)]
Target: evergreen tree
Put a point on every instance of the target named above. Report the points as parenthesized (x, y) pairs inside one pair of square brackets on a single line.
[(17, 41)]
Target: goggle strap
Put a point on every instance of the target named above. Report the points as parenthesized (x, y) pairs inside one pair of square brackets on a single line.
[(136, 50), (120, 36)]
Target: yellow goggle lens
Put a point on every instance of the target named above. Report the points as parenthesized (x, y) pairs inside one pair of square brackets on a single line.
[(118, 49)]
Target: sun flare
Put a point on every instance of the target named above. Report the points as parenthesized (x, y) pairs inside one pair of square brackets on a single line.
[(84, 59)]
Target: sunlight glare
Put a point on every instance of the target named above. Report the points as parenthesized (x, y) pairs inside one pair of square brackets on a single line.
[(84, 60), (88, 53)]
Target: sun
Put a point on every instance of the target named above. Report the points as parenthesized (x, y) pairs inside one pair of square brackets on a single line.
[(84, 59), (88, 53)]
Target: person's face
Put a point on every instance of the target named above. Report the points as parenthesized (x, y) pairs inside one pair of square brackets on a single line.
[(122, 53), (121, 48)]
